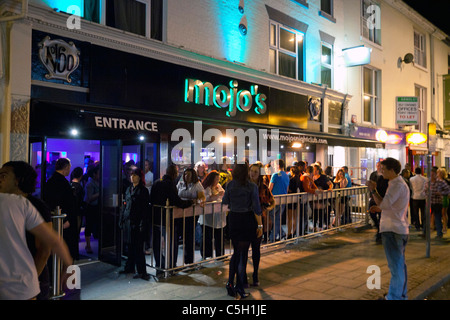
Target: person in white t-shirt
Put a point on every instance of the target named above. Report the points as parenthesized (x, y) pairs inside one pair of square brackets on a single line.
[(190, 188), (18, 274), (419, 196), (148, 176), (394, 226)]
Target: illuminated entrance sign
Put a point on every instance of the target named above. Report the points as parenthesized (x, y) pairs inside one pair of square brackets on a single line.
[(199, 92)]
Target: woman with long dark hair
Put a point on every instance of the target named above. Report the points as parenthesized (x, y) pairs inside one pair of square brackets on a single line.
[(267, 203), (137, 207), (245, 224), (213, 223)]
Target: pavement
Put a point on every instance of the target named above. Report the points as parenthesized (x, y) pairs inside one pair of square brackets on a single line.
[(333, 266)]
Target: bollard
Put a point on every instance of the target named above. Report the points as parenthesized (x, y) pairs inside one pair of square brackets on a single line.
[(57, 221)]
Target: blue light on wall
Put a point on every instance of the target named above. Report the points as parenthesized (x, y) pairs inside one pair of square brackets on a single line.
[(67, 6), (234, 29)]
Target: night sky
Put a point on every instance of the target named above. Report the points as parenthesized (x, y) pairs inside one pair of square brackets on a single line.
[(435, 11)]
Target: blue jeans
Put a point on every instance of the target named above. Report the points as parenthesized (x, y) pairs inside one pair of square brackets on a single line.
[(394, 247), (276, 215)]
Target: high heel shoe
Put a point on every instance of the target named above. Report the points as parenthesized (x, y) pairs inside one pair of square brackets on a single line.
[(230, 289), (241, 295)]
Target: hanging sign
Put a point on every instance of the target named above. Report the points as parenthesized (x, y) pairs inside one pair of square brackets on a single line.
[(407, 110)]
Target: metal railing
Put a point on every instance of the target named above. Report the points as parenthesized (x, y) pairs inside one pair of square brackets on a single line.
[(57, 222), (295, 216)]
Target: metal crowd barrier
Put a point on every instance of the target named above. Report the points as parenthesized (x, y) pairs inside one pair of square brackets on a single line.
[(57, 221), (295, 216)]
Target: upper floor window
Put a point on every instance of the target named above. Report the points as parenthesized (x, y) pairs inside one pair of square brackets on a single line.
[(326, 6), (326, 69), (286, 51), (420, 56), (371, 21), (371, 99), (142, 17)]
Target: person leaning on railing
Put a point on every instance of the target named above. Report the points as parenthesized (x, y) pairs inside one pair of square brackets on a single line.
[(163, 190)]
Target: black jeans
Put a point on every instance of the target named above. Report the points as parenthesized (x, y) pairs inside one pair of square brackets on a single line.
[(238, 264), (208, 239), (136, 255), (417, 205)]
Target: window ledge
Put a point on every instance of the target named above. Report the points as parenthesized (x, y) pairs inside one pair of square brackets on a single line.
[(371, 43), (418, 66), (303, 3), (327, 16)]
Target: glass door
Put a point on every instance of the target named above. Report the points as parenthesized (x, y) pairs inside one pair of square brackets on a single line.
[(110, 244)]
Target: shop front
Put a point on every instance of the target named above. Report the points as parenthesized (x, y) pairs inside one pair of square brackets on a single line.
[(94, 104)]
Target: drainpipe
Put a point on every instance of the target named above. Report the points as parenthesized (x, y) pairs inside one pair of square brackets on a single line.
[(22, 14)]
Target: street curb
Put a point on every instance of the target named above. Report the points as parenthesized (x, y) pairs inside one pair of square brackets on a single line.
[(425, 293)]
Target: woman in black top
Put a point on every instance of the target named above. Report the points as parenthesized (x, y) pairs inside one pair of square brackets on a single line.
[(244, 221), (321, 213), (295, 186), (134, 215)]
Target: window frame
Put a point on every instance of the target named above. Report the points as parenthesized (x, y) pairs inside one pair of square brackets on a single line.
[(423, 123), (423, 51), (374, 97), (376, 38), (148, 4), (326, 65), (277, 49)]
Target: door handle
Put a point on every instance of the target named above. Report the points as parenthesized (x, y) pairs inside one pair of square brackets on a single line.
[(115, 200)]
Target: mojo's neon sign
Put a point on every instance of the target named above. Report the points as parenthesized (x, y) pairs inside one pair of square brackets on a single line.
[(199, 92)]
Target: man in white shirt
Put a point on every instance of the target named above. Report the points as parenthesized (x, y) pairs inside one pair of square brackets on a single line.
[(418, 183), (18, 274), (394, 226)]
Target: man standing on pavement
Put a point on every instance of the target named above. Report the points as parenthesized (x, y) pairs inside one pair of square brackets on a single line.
[(418, 183), (394, 226), (438, 188), (279, 184), (58, 192), (381, 185)]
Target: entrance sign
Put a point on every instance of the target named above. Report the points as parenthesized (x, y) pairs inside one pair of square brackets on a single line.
[(407, 110), (125, 124)]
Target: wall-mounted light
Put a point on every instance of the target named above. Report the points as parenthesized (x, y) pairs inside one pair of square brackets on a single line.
[(243, 26), (224, 140), (356, 56), (141, 138), (241, 6), (416, 138), (408, 58), (74, 132), (296, 145), (381, 135)]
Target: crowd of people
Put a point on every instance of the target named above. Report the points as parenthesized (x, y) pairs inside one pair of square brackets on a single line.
[(247, 190)]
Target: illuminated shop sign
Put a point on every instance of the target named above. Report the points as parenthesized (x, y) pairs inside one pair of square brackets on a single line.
[(125, 124), (222, 97), (59, 58)]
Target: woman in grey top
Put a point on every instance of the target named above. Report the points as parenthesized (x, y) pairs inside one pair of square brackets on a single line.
[(244, 221)]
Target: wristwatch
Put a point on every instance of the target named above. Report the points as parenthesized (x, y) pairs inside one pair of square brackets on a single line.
[(260, 226)]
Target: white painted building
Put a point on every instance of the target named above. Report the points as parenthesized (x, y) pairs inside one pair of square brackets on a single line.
[(291, 45)]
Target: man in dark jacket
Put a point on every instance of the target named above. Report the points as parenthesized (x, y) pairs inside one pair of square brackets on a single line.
[(381, 185), (163, 190), (58, 192)]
